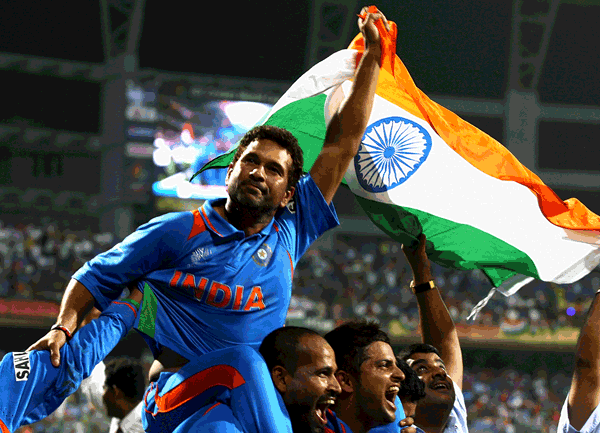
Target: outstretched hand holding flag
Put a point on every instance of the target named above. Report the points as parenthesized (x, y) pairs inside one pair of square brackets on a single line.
[(423, 169)]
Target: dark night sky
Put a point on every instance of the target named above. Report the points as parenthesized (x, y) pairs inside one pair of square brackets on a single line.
[(450, 47)]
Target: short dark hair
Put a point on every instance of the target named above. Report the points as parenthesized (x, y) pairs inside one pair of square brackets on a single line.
[(417, 348), (285, 139), (350, 342), (411, 388), (281, 347), (127, 375)]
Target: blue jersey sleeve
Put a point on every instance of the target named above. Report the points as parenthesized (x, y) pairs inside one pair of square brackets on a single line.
[(151, 246), (306, 217)]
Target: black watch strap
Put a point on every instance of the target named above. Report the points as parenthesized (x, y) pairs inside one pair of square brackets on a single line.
[(420, 288)]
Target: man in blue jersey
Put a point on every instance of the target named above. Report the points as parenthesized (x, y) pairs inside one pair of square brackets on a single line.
[(369, 376), (31, 388), (221, 276), (438, 360), (581, 410)]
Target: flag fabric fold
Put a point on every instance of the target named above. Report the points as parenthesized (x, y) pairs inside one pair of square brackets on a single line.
[(422, 169)]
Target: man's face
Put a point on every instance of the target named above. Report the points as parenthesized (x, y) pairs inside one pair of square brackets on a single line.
[(313, 387), (380, 379), (259, 178), (431, 370)]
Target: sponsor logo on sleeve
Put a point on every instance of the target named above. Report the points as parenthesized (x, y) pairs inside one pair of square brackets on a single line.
[(22, 365)]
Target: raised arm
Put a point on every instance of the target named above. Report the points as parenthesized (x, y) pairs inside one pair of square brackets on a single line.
[(584, 395), (437, 326), (348, 124)]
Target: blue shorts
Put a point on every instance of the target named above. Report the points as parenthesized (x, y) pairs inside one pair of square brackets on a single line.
[(229, 387), (31, 388)]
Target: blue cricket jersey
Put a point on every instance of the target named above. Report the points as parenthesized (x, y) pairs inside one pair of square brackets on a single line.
[(206, 285)]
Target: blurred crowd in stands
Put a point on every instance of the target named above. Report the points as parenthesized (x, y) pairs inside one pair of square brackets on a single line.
[(368, 277), (36, 262), (361, 276), (509, 401)]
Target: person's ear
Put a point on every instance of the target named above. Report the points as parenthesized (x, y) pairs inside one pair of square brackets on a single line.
[(117, 392), (280, 378), (345, 381), (287, 197), (229, 170)]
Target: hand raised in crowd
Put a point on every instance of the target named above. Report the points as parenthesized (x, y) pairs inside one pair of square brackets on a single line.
[(418, 260)]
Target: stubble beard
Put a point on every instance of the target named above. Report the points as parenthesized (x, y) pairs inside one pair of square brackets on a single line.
[(258, 208), (300, 417)]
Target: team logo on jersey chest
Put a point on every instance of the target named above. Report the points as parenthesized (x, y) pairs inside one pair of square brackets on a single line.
[(262, 257), (22, 365), (200, 254)]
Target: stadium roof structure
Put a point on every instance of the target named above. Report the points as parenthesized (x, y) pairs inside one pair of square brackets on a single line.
[(522, 62)]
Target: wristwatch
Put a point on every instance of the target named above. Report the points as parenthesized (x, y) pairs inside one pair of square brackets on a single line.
[(420, 288), (63, 329)]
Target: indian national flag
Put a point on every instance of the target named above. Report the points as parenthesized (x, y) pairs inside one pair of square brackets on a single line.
[(421, 168)]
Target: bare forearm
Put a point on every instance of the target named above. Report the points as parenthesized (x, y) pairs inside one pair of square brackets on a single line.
[(354, 113), (587, 354), (584, 395), (438, 330), (76, 303), (437, 326)]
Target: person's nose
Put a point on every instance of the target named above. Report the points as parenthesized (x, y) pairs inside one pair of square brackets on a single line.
[(439, 372), (398, 374), (334, 386), (258, 173)]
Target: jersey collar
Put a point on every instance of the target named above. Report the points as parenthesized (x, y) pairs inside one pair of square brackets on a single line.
[(220, 226)]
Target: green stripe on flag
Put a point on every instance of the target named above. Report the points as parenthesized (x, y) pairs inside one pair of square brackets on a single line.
[(304, 118), (458, 246), (147, 323)]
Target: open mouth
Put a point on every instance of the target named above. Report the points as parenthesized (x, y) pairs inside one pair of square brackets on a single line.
[(321, 409), (440, 386), (391, 394)]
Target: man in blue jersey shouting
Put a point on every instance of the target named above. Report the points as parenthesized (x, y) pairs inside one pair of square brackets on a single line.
[(221, 275)]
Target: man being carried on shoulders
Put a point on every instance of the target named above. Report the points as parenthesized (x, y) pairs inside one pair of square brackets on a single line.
[(221, 276)]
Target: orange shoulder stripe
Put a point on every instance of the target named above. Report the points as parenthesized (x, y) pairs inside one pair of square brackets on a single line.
[(198, 226), (210, 224)]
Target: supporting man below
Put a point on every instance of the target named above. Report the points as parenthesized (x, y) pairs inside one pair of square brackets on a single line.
[(369, 378), (302, 366), (438, 360), (31, 388), (294, 375), (221, 276), (581, 410), (117, 388)]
